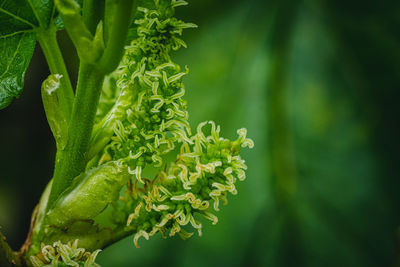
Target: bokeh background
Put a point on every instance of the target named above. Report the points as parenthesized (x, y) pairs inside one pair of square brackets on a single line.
[(316, 83)]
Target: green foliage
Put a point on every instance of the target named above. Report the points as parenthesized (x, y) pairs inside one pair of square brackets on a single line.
[(18, 19), (43, 10), (16, 52), (16, 16)]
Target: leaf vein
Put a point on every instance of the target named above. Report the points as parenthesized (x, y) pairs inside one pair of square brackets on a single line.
[(13, 57), (35, 12), (14, 33), (17, 17)]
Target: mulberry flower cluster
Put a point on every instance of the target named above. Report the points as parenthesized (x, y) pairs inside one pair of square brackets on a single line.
[(205, 171), (150, 115), (60, 254)]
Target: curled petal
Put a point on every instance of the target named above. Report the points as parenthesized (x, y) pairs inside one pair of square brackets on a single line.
[(137, 172), (138, 235), (211, 217)]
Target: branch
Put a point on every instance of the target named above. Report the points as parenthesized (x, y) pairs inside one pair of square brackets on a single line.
[(89, 47), (72, 160), (7, 256), (48, 42), (116, 28), (93, 12)]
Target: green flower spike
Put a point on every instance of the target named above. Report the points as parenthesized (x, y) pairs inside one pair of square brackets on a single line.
[(149, 115), (206, 169)]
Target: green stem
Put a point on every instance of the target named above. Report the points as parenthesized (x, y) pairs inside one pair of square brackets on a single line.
[(7, 256), (116, 30), (93, 12), (72, 160), (48, 42), (88, 47)]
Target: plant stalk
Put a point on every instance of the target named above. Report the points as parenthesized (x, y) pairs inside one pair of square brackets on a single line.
[(88, 47), (93, 12), (116, 31), (7, 256), (71, 161)]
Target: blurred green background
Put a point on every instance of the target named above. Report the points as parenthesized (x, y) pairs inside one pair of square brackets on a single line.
[(316, 83)]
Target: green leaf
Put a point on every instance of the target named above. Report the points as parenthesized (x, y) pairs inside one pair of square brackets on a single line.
[(16, 53), (16, 16), (18, 20), (19, 15)]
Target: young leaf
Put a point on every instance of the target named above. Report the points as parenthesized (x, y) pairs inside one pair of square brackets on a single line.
[(16, 53)]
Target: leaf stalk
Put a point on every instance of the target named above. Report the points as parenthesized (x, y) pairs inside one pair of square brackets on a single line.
[(51, 50)]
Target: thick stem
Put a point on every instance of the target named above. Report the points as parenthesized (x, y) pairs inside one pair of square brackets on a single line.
[(48, 42), (72, 160), (7, 256), (116, 30)]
